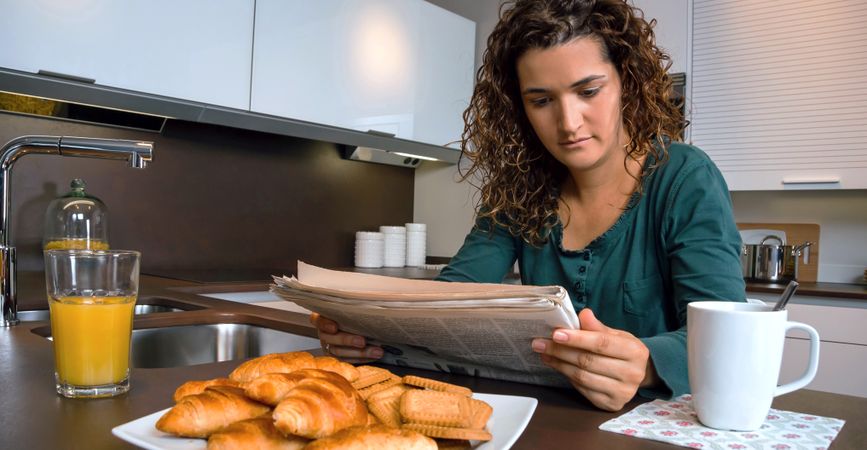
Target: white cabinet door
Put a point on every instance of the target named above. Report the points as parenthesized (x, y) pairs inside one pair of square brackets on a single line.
[(402, 67), (194, 49), (778, 95)]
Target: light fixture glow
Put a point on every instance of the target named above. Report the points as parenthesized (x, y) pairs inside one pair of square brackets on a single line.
[(410, 155)]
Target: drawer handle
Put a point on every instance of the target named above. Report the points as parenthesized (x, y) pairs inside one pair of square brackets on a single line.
[(812, 180)]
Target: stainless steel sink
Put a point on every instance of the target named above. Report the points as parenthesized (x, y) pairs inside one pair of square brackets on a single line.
[(207, 343)]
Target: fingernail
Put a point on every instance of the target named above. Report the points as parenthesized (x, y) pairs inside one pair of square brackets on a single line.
[(358, 341), (539, 345), (376, 352), (560, 336)]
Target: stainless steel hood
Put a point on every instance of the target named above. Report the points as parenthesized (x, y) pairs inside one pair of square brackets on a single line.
[(87, 93)]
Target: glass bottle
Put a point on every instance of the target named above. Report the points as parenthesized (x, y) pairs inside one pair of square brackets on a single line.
[(76, 220)]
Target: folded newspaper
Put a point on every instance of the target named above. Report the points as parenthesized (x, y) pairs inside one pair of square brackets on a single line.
[(477, 329)]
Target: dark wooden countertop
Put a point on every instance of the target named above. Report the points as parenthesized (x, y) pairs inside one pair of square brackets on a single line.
[(32, 416)]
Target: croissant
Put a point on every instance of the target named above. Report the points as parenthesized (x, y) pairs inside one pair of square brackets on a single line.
[(273, 387), (199, 415), (272, 363), (379, 437), (341, 368), (317, 407), (197, 387), (258, 433)]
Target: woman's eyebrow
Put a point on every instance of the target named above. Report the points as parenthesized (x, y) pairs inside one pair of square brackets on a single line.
[(581, 82)]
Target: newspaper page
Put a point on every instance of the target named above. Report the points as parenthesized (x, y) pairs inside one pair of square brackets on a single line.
[(475, 329)]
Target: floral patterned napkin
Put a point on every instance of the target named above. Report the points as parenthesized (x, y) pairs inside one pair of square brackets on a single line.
[(675, 422)]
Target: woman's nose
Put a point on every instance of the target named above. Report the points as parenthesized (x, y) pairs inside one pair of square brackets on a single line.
[(571, 117)]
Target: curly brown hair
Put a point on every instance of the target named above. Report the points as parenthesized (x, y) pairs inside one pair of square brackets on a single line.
[(518, 179)]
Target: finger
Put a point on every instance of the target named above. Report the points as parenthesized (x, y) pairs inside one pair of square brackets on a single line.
[(368, 353), (603, 365), (323, 324), (620, 346), (582, 377), (603, 391), (342, 339), (589, 322)]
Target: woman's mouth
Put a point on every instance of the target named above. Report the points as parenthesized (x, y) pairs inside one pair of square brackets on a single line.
[(575, 142)]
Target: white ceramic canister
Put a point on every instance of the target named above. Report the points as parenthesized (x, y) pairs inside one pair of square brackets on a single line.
[(369, 247), (394, 238), (416, 244)]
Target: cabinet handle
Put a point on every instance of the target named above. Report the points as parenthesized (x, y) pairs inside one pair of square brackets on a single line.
[(66, 76), (811, 180)]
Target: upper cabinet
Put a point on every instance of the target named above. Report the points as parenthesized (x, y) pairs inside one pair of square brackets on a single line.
[(194, 49), (400, 67), (778, 96)]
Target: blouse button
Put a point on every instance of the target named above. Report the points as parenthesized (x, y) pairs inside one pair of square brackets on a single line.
[(582, 269)]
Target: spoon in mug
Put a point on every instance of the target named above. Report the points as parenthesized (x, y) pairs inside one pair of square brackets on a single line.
[(788, 292)]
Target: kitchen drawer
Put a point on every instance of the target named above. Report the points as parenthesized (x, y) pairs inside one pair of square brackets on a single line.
[(841, 366)]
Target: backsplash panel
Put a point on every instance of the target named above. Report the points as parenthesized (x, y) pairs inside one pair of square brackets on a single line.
[(214, 199)]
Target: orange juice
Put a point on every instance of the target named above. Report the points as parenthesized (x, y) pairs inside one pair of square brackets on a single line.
[(76, 244), (91, 339)]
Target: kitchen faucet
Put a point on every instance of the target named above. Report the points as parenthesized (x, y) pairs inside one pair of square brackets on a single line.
[(137, 153)]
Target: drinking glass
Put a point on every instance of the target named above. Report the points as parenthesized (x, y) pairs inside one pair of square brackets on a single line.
[(91, 296)]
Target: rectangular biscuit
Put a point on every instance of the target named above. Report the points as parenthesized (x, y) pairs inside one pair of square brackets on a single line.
[(481, 412), (387, 410), (443, 409), (435, 385), (448, 432), (366, 392), (370, 375)]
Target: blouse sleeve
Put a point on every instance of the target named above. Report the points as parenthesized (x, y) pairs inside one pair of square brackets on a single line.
[(485, 257), (702, 244)]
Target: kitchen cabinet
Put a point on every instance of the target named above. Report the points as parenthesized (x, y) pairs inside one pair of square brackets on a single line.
[(400, 67), (843, 349), (194, 50), (778, 94)]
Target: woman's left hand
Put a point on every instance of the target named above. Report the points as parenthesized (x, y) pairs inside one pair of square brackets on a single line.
[(604, 364)]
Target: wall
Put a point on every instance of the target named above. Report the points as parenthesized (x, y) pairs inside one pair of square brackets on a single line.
[(440, 201), (216, 203), (448, 206)]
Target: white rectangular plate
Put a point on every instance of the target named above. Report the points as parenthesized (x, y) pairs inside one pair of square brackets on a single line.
[(511, 415)]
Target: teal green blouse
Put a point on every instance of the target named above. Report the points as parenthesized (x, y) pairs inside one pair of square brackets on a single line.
[(678, 243)]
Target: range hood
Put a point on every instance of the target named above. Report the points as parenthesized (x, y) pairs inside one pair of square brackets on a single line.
[(375, 147)]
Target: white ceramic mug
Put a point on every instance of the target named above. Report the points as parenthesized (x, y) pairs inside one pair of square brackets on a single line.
[(735, 350)]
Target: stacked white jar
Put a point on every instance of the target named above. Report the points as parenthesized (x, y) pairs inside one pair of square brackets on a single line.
[(369, 249), (394, 238), (416, 244)]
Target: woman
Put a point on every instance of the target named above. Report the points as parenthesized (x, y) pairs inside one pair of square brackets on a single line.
[(571, 131)]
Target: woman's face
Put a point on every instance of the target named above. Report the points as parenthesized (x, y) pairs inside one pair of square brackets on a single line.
[(571, 96)]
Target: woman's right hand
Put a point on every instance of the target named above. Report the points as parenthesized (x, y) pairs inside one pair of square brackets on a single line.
[(347, 347)]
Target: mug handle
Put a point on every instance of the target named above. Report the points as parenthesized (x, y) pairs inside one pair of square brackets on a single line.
[(813, 365)]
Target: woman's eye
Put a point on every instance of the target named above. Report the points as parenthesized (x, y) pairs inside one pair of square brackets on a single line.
[(540, 101), (589, 92)]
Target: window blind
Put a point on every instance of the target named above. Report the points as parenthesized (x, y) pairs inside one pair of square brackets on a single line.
[(780, 85)]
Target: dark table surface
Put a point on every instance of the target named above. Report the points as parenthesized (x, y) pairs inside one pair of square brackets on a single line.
[(32, 416)]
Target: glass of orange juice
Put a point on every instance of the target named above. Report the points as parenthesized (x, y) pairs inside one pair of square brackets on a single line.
[(91, 296)]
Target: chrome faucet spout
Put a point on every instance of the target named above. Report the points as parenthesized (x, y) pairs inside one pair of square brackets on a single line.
[(137, 153)]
